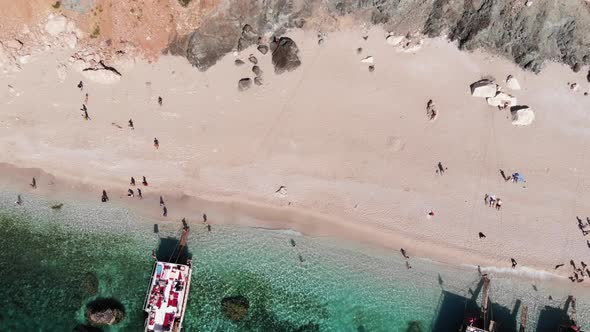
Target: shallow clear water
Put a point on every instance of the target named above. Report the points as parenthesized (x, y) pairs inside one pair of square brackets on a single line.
[(49, 259)]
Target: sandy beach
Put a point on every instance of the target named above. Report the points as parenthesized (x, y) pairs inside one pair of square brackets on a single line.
[(354, 149)]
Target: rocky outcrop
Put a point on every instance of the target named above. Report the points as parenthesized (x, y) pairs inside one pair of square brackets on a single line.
[(285, 57), (235, 307), (547, 30), (237, 26), (105, 311)]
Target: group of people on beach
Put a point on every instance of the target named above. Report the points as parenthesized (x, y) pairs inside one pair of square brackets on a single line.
[(492, 201)]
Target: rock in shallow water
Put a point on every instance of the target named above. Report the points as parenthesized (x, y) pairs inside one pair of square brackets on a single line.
[(286, 55), (235, 307), (105, 311)]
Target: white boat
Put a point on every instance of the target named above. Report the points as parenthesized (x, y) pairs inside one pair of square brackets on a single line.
[(166, 299)]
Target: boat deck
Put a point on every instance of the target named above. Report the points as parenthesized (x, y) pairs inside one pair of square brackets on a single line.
[(166, 299)]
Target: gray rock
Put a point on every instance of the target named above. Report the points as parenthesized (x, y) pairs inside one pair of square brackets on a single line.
[(577, 67), (238, 62), (263, 49), (253, 59), (258, 80), (244, 84), (371, 68), (257, 71), (249, 37), (285, 57), (105, 311), (210, 42)]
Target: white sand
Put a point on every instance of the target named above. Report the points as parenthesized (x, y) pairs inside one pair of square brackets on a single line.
[(354, 149)]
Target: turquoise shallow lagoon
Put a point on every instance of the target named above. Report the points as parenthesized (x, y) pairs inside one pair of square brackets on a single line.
[(55, 262)]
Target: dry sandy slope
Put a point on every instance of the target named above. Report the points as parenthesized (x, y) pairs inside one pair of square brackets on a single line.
[(352, 147)]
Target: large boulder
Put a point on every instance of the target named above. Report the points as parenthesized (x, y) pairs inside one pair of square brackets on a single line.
[(105, 311), (285, 56), (512, 83), (211, 41), (522, 115), (502, 99), (244, 84), (484, 89), (235, 307)]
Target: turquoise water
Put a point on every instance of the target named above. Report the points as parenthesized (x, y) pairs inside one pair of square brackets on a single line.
[(51, 261)]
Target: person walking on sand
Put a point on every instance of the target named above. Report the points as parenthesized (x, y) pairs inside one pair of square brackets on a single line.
[(131, 124), (85, 114), (165, 211), (204, 217), (498, 204), (86, 99), (156, 143), (34, 184), (485, 199), (130, 193), (132, 182), (139, 193), (482, 235), (161, 201), (513, 261), (441, 170), (492, 200), (81, 86), (104, 198), (160, 100), (403, 251), (144, 181)]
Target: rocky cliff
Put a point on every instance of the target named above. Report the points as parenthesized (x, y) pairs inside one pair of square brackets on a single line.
[(527, 32)]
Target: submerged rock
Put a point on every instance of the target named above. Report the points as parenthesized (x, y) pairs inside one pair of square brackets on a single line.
[(258, 80), (105, 311), (90, 283), (286, 55), (238, 62), (252, 59), (235, 307)]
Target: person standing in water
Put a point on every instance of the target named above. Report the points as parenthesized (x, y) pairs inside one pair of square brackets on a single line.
[(132, 181), (104, 197)]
